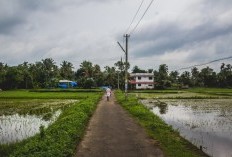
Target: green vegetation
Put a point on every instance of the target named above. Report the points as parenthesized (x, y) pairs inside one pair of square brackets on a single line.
[(206, 77), (212, 91), (25, 94), (33, 106), (61, 137), (192, 93), (170, 141), (67, 90), (46, 74)]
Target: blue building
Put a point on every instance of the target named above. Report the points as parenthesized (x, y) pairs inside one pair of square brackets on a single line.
[(67, 84)]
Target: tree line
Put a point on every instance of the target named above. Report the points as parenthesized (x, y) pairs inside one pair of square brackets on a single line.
[(206, 77), (46, 74)]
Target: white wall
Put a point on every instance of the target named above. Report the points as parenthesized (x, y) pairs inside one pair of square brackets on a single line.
[(144, 86)]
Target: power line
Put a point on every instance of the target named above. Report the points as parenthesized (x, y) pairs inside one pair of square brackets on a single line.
[(134, 16), (141, 17), (216, 60)]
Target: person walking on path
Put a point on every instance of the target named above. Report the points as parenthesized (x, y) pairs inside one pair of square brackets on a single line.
[(108, 93), (112, 132)]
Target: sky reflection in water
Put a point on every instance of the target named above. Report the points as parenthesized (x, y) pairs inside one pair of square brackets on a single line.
[(206, 123), (17, 127)]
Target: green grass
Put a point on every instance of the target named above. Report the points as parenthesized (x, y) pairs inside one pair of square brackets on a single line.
[(193, 93), (156, 91), (66, 90), (60, 138), (212, 91), (33, 106), (170, 141), (24, 94)]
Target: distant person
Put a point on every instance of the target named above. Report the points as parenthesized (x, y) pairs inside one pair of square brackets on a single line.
[(108, 93)]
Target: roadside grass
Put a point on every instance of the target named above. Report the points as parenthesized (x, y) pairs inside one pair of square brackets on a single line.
[(169, 140), (61, 137)]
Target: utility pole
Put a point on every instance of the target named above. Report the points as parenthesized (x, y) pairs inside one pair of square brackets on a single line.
[(118, 80), (126, 66)]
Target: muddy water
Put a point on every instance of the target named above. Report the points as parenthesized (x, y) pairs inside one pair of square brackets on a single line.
[(205, 123), (17, 127)]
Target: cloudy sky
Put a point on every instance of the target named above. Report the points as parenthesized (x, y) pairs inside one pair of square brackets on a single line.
[(178, 33)]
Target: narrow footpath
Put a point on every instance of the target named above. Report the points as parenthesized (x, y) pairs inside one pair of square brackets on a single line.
[(113, 133)]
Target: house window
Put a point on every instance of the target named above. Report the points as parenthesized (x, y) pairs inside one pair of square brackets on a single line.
[(150, 78), (150, 85), (139, 78), (139, 84)]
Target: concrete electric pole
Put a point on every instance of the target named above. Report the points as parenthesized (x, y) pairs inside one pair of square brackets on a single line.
[(126, 64)]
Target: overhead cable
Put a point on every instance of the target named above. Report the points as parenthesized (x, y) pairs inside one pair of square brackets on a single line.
[(216, 60), (141, 17), (134, 16)]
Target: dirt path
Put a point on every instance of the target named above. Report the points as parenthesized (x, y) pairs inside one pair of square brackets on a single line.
[(113, 133)]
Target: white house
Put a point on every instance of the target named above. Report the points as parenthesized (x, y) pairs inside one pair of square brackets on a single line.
[(142, 80)]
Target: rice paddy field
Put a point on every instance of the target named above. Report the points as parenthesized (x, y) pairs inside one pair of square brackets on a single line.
[(202, 116), (29, 119)]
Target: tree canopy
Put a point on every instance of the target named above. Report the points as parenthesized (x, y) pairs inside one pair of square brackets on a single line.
[(46, 74)]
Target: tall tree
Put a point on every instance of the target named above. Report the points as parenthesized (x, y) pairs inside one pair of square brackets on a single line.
[(14, 77), (173, 76), (85, 75), (27, 77), (225, 76), (161, 76), (66, 70), (185, 78), (3, 71), (195, 79), (98, 75), (87, 68), (110, 76), (208, 77), (50, 71), (136, 69)]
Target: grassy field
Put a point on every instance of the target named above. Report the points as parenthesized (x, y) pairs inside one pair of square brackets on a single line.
[(170, 141), (194, 93), (61, 137), (40, 94)]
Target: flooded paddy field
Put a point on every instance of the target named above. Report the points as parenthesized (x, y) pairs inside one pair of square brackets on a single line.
[(22, 118), (207, 123)]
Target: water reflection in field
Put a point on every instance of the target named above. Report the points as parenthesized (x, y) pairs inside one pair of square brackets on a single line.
[(18, 127), (20, 119), (206, 123)]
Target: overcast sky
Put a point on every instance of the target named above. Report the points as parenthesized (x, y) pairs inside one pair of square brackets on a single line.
[(178, 33)]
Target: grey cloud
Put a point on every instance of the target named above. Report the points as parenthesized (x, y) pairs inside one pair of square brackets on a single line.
[(15, 13), (6, 25), (171, 36)]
